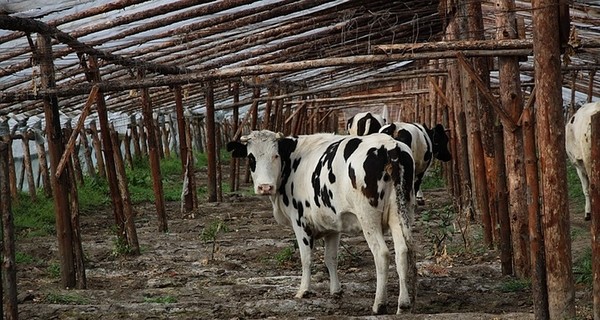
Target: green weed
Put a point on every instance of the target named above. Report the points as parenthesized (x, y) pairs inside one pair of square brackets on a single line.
[(211, 232), (162, 299), (515, 285), (68, 298), (582, 268)]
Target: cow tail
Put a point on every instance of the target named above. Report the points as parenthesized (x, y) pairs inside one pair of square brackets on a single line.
[(401, 169)]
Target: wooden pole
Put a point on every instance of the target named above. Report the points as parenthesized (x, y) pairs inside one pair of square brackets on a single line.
[(158, 133), (157, 186), (595, 225), (128, 214), (43, 164), (137, 149), (59, 184), (127, 147), (87, 154), (536, 237), (12, 174), (234, 163), (109, 161), (9, 266), (211, 145), (165, 137), (550, 133), (188, 191), (97, 149), (27, 167)]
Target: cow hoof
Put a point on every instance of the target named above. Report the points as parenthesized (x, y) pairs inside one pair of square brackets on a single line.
[(421, 201), (304, 294), (337, 294), (588, 217), (403, 308), (381, 309)]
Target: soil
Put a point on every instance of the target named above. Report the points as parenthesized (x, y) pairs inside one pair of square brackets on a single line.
[(253, 270)]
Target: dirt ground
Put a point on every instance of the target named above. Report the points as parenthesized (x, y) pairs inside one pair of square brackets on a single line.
[(253, 271)]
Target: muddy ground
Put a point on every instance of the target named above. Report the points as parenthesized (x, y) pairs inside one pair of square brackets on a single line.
[(254, 271)]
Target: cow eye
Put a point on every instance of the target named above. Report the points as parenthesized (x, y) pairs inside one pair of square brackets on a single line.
[(275, 157)]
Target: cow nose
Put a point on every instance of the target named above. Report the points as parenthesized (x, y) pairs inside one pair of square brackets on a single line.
[(265, 189)]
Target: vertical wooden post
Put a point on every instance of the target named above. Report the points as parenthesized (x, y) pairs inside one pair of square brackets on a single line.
[(550, 132), (43, 164), (511, 98), (12, 174), (55, 149), (158, 133), (27, 167), (591, 86), (87, 154), (127, 147), (595, 225), (79, 264), (144, 135), (76, 165), (97, 149), (234, 163), (128, 214), (137, 149), (165, 137), (536, 237), (109, 161), (9, 266), (211, 150), (186, 154), (159, 197)]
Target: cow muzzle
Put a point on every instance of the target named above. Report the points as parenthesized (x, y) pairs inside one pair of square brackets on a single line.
[(265, 189)]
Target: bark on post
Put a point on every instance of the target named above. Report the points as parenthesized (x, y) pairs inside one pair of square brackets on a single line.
[(511, 98), (144, 135), (188, 189), (133, 246), (158, 133), (74, 221), (595, 198), (165, 138), (211, 146), (127, 147), (87, 154), (43, 164), (9, 266), (550, 131), (502, 204), (536, 237), (59, 184), (137, 149), (159, 197), (97, 149), (109, 161), (234, 163), (12, 174), (27, 167)]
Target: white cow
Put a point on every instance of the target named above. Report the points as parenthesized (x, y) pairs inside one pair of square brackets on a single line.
[(578, 145), (425, 144), (323, 185), (364, 123)]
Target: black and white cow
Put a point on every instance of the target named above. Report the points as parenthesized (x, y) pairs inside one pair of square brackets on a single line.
[(323, 185), (425, 144), (579, 146), (364, 123)]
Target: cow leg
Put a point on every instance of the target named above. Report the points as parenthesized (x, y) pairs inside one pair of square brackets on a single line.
[(404, 263), (585, 186), (371, 224), (304, 244), (332, 243), (419, 193)]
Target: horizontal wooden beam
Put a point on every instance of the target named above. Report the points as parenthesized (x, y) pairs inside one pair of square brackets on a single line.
[(359, 97)]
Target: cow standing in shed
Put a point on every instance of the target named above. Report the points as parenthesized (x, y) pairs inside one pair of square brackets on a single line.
[(579, 147), (425, 144), (323, 185), (364, 123)]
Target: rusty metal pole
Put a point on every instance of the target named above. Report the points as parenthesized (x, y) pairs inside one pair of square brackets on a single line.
[(595, 198), (159, 197), (9, 266), (550, 132)]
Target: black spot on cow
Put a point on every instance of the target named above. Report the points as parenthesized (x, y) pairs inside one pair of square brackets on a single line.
[(373, 166), (285, 147), (361, 125), (352, 175), (389, 129), (305, 241), (404, 136), (331, 177), (239, 149), (252, 162), (325, 163), (351, 146), (307, 204), (296, 164)]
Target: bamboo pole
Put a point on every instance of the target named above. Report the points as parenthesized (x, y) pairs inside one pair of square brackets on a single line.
[(9, 266)]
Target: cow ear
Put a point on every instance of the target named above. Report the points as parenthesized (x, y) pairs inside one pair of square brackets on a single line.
[(240, 150), (388, 129), (286, 146)]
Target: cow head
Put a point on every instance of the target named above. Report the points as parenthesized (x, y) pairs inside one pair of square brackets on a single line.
[(262, 148), (440, 140)]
